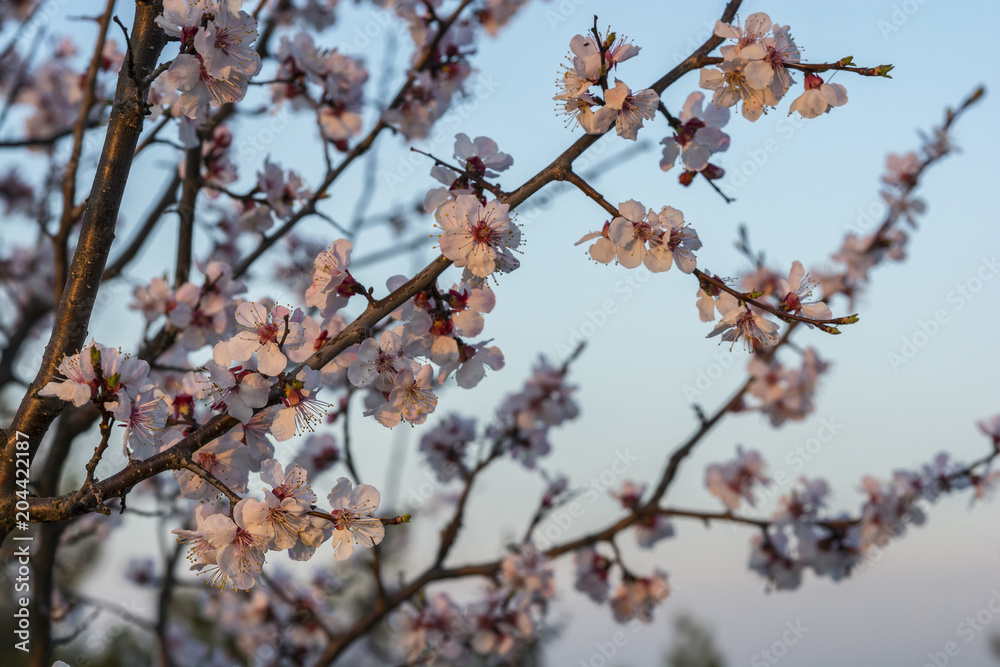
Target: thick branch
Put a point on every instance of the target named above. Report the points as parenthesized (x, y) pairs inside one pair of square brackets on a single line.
[(35, 413)]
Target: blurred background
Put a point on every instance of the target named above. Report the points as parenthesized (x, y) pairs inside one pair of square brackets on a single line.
[(799, 186)]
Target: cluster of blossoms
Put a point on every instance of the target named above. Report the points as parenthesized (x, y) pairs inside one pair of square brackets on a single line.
[(799, 537), (435, 326), (443, 72), (217, 57), (650, 528), (55, 90), (500, 626), (860, 254), (733, 482), (785, 393), (523, 420), (592, 59), (634, 598), (641, 236), (476, 234), (231, 548), (120, 384), (754, 71), (329, 82), (521, 428), (902, 173), (696, 138), (274, 612), (216, 153), (743, 321), (281, 190)]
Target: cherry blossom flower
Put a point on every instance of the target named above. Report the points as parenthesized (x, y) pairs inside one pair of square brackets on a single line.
[(471, 363), (237, 390), (637, 597), (796, 289), (499, 625), (378, 363), (413, 395), (477, 236), (445, 446), (631, 231), (318, 454), (991, 428), (770, 558), (302, 409), (240, 553), (437, 627), (353, 519), (707, 294), (143, 418), (528, 571), (226, 42), (803, 505), (818, 97), (226, 459), (282, 516), (629, 109), (733, 481), (263, 329), (82, 382), (281, 191), (201, 555), (198, 90), (481, 159), (741, 321), (902, 171), (182, 18), (730, 85), (330, 272), (699, 135), (592, 570), (676, 243)]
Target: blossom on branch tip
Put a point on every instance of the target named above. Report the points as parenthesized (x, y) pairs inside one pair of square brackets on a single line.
[(352, 514), (795, 290)]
